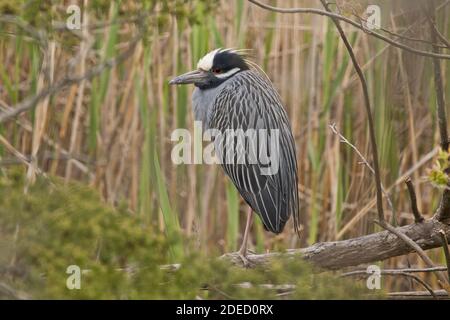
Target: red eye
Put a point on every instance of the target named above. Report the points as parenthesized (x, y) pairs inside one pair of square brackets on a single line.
[(216, 70)]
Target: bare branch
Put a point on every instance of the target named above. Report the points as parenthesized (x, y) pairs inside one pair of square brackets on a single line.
[(38, 35), (361, 213), (395, 273), (343, 139), (352, 252), (373, 141), (443, 212), (431, 18), (402, 36), (412, 196), (441, 294), (11, 293), (353, 23), (31, 102), (20, 157), (423, 283), (413, 246)]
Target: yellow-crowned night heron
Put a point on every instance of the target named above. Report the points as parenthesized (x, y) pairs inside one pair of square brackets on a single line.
[(232, 94)]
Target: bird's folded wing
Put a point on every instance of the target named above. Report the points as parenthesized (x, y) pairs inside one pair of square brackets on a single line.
[(249, 103)]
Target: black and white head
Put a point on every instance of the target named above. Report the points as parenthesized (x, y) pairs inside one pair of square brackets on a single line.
[(214, 68)]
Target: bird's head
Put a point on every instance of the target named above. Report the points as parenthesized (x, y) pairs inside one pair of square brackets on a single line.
[(214, 68)]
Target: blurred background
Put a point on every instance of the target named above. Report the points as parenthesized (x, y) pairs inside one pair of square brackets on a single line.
[(112, 131)]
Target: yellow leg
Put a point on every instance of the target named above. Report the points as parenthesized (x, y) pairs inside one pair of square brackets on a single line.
[(243, 250)]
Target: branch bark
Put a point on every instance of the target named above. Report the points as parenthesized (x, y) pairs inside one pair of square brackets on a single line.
[(352, 252), (412, 196), (414, 246)]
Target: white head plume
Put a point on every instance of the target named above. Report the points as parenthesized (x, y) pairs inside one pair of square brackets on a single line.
[(207, 61)]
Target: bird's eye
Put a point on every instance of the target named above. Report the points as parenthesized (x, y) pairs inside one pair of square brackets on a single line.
[(216, 70)]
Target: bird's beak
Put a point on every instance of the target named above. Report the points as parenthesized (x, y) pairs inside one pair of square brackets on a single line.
[(190, 77)]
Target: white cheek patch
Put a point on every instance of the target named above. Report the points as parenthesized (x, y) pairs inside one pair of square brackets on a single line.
[(228, 73), (206, 62)]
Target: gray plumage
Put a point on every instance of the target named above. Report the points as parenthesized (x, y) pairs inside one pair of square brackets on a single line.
[(248, 100), (202, 102)]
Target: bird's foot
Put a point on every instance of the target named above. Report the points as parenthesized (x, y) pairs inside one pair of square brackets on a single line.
[(244, 259), (242, 254)]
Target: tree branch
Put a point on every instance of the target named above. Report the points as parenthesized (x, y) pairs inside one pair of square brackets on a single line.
[(419, 295), (353, 23), (414, 246), (352, 252), (412, 196), (443, 212), (395, 273), (11, 293), (373, 141), (30, 102), (364, 161)]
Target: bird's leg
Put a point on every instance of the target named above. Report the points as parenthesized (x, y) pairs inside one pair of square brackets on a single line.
[(243, 250)]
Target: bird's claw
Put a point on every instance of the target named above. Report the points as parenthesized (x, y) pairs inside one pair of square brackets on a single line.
[(244, 260), (243, 256)]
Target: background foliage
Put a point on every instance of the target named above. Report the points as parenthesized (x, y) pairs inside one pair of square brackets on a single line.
[(122, 257)]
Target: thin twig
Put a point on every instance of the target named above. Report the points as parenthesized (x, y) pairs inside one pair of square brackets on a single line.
[(373, 141), (441, 294), (412, 196), (20, 157), (423, 283), (402, 36), (409, 28), (361, 213), (353, 23), (408, 241), (343, 139), (31, 102), (77, 159), (431, 18), (395, 273), (12, 293), (37, 34), (440, 36)]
